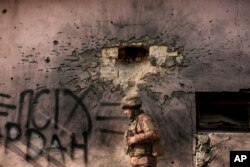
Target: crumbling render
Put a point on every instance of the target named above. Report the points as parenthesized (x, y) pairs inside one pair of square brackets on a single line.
[(132, 74), (203, 150)]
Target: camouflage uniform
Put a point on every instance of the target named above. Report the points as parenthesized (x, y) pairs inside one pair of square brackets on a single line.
[(143, 129)]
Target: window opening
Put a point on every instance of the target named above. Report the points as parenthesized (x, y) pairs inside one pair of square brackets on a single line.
[(222, 111)]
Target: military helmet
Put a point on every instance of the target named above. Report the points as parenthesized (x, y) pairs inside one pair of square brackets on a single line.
[(132, 100)]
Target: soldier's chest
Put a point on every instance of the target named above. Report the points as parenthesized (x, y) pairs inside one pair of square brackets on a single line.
[(134, 127)]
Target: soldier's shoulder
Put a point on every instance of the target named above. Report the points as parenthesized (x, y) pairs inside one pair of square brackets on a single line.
[(144, 116), (147, 122)]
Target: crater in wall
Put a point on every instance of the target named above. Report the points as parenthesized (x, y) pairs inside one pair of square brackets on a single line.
[(128, 65)]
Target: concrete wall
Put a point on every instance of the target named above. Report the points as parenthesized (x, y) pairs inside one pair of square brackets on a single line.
[(52, 86)]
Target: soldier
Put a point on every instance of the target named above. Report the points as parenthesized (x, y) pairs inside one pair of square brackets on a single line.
[(141, 134)]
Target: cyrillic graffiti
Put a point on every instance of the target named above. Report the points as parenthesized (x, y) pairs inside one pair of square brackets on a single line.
[(33, 132), (27, 128)]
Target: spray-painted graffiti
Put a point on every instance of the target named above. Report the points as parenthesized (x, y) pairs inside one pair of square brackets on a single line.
[(33, 131), (109, 118), (38, 143)]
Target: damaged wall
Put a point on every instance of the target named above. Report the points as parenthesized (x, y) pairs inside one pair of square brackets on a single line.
[(60, 89)]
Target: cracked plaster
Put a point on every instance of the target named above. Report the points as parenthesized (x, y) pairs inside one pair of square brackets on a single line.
[(67, 54), (131, 76)]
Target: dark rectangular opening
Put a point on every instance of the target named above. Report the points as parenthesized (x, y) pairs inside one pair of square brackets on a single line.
[(222, 111), (133, 54)]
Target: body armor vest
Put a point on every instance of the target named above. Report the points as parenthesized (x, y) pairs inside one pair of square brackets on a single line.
[(138, 149)]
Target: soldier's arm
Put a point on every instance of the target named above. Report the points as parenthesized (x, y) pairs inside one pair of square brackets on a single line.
[(149, 131)]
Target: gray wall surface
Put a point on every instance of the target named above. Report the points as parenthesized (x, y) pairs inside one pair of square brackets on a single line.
[(52, 89)]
